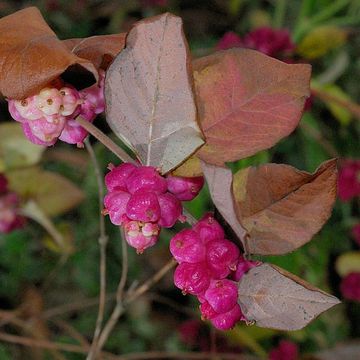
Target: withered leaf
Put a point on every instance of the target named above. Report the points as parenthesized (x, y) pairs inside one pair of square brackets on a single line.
[(148, 91), (282, 207), (277, 299), (247, 102), (219, 180), (31, 56), (53, 193), (100, 50)]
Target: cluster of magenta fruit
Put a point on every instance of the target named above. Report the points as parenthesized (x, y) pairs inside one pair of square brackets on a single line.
[(142, 201), (50, 115), (9, 206)]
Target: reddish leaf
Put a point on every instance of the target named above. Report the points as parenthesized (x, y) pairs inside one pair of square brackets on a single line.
[(100, 50), (219, 180), (31, 55), (277, 299), (148, 91), (247, 102), (282, 207)]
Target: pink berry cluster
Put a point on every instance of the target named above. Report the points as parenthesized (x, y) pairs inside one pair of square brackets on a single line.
[(9, 202), (143, 201), (209, 266), (50, 114)]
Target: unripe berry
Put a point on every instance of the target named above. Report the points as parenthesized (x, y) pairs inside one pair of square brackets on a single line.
[(116, 178), (170, 208), (115, 204), (47, 130), (141, 236), (143, 206), (192, 278), (146, 178), (222, 295), (24, 110), (70, 100), (227, 321), (209, 229), (49, 101), (185, 188), (221, 256), (186, 246)]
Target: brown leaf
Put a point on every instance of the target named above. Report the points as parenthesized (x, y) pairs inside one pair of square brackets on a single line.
[(190, 168), (247, 102), (53, 193), (219, 180), (100, 50), (31, 56), (282, 207), (277, 299), (148, 91)]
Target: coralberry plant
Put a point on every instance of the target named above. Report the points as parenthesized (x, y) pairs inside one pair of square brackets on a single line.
[(182, 120)]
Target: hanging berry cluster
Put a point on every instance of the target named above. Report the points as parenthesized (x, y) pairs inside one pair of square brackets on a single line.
[(208, 267)]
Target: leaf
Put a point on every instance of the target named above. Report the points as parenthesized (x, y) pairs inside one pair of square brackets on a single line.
[(31, 56), (247, 102), (219, 180), (282, 207), (190, 168), (15, 149), (97, 49), (148, 91), (53, 193), (347, 263), (317, 43), (277, 299)]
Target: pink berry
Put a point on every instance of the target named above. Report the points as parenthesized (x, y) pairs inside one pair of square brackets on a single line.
[(222, 256), (185, 188), (115, 203), (73, 133), (186, 246), (49, 101), (146, 178), (192, 278), (171, 210), (207, 311), (141, 236), (143, 206), (243, 266), (227, 321), (222, 295), (70, 99), (24, 110), (46, 130), (116, 178), (28, 133), (209, 229)]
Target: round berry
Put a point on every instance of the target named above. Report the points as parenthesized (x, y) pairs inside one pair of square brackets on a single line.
[(227, 321), (185, 188), (222, 295), (146, 178), (171, 210), (116, 178), (209, 229), (115, 204)]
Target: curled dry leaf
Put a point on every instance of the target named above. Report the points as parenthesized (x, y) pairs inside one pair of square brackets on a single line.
[(53, 193), (282, 207), (148, 92), (31, 56), (219, 180), (247, 102), (277, 299), (100, 50)]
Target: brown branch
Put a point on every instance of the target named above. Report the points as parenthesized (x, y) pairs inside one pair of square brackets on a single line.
[(180, 355), (105, 140)]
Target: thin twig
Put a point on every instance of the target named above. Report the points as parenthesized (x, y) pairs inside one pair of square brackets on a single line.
[(66, 327), (104, 139), (103, 239), (120, 306), (190, 219), (180, 355), (125, 267)]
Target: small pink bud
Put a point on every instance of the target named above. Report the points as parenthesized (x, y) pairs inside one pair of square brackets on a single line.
[(146, 178), (185, 188), (192, 278), (286, 350), (209, 229), (143, 206), (222, 295), (350, 286), (117, 177), (186, 246), (171, 210)]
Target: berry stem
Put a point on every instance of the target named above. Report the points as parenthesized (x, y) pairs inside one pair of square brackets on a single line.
[(105, 140)]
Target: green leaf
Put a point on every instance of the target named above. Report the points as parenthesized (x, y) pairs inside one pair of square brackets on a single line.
[(53, 193), (15, 149)]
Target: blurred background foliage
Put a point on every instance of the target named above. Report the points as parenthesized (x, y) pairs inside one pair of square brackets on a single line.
[(62, 283)]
